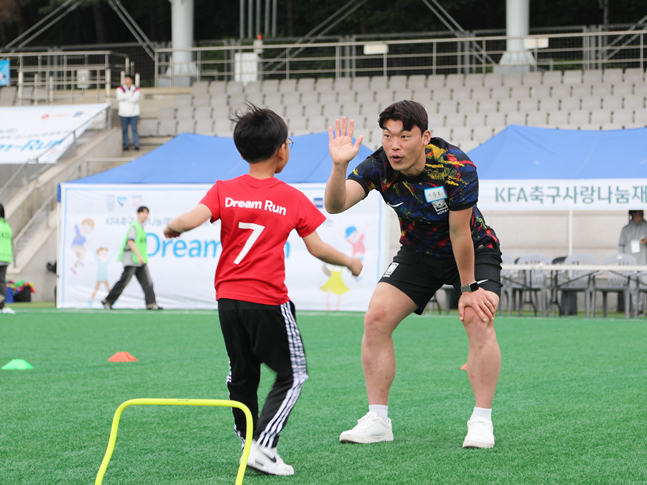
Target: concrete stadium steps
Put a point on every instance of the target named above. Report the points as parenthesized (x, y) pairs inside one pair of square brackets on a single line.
[(592, 100)]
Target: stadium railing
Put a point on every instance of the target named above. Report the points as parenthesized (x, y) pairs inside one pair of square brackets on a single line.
[(563, 51), (42, 77)]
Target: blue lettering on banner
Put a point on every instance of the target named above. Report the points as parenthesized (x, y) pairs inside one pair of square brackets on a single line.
[(178, 247)]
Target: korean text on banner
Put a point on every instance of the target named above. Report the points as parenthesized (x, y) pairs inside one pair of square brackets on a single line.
[(584, 194)]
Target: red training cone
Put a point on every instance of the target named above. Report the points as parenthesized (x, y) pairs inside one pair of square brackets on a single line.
[(122, 357), (464, 367)]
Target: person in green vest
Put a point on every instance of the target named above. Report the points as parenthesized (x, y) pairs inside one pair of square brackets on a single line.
[(134, 256), (6, 258)]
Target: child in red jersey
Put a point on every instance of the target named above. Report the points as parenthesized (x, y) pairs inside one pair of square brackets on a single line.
[(257, 213)]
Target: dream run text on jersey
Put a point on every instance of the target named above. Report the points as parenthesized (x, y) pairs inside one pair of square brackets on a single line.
[(255, 204)]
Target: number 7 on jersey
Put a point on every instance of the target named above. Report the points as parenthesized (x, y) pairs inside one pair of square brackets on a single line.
[(256, 232)]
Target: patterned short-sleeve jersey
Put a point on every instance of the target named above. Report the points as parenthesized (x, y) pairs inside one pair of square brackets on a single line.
[(448, 183)]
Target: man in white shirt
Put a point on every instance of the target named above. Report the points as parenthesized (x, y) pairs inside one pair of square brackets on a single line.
[(633, 240), (128, 97)]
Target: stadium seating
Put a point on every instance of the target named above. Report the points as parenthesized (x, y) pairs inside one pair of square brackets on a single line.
[(462, 108)]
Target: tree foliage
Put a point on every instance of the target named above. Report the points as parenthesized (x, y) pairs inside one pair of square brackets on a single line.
[(95, 22)]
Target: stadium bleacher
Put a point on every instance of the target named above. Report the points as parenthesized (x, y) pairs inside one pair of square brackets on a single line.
[(467, 109)]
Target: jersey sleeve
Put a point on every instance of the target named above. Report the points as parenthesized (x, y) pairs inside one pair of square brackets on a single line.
[(212, 201), (366, 174), (132, 234), (466, 193), (309, 218)]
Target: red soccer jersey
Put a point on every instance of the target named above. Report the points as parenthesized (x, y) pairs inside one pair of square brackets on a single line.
[(257, 217)]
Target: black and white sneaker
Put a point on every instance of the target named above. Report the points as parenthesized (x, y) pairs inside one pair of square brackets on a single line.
[(267, 460), (154, 306), (106, 305)]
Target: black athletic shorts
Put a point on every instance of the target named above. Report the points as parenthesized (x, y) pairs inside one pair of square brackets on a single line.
[(420, 276)]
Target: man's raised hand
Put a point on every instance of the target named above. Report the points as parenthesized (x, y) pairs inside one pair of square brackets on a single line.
[(342, 149)]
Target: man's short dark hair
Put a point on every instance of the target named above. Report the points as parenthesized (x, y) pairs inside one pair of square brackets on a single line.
[(142, 208), (409, 112), (1, 211), (130, 76), (259, 133)]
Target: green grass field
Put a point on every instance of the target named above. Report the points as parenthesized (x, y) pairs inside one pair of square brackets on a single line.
[(570, 406)]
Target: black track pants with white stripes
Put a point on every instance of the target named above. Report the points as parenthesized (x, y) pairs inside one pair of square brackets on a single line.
[(258, 334)]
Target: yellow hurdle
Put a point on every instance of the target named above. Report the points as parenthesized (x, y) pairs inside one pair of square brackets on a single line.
[(179, 402)]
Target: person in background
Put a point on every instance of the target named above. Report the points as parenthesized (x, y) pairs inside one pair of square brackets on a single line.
[(6, 258), (134, 255), (633, 240), (128, 97)]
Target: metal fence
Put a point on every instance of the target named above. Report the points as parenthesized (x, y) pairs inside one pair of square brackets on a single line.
[(41, 76), (387, 57)]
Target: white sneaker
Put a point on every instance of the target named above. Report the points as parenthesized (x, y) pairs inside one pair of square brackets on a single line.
[(480, 434), (268, 461), (8, 310), (370, 429)]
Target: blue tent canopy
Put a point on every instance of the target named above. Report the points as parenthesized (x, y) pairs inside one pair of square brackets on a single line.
[(199, 159), (524, 152)]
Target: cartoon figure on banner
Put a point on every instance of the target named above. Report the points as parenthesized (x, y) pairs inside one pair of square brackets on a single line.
[(356, 241), (79, 243), (334, 286), (102, 260)]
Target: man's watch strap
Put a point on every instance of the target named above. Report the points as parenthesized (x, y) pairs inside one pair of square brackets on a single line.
[(472, 287)]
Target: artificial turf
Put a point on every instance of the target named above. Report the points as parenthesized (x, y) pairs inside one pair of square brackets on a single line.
[(570, 405)]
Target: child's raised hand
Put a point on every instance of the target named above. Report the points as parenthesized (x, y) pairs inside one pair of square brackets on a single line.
[(170, 233), (356, 266)]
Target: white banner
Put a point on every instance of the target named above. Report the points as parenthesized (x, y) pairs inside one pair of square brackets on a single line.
[(93, 220), (584, 194), (43, 132)]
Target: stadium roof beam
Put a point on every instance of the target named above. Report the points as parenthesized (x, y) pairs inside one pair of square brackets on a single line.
[(75, 4), (638, 24), (309, 35), (137, 32), (454, 27), (254, 18)]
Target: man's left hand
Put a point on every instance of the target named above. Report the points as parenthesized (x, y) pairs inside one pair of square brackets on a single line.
[(479, 302)]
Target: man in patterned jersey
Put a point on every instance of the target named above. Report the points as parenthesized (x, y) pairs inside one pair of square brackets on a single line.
[(433, 188), (257, 212)]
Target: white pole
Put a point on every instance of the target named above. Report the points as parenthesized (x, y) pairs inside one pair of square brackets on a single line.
[(517, 19), (570, 232), (182, 35)]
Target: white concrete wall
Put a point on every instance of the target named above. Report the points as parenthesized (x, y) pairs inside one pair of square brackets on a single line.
[(35, 270)]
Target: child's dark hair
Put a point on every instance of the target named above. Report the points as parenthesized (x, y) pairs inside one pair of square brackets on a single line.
[(259, 133), (409, 112), (142, 208), (1, 211)]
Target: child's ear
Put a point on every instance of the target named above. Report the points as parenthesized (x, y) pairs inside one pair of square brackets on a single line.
[(282, 153)]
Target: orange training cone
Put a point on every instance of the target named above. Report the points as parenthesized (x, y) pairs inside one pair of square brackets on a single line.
[(122, 357), (464, 367)]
